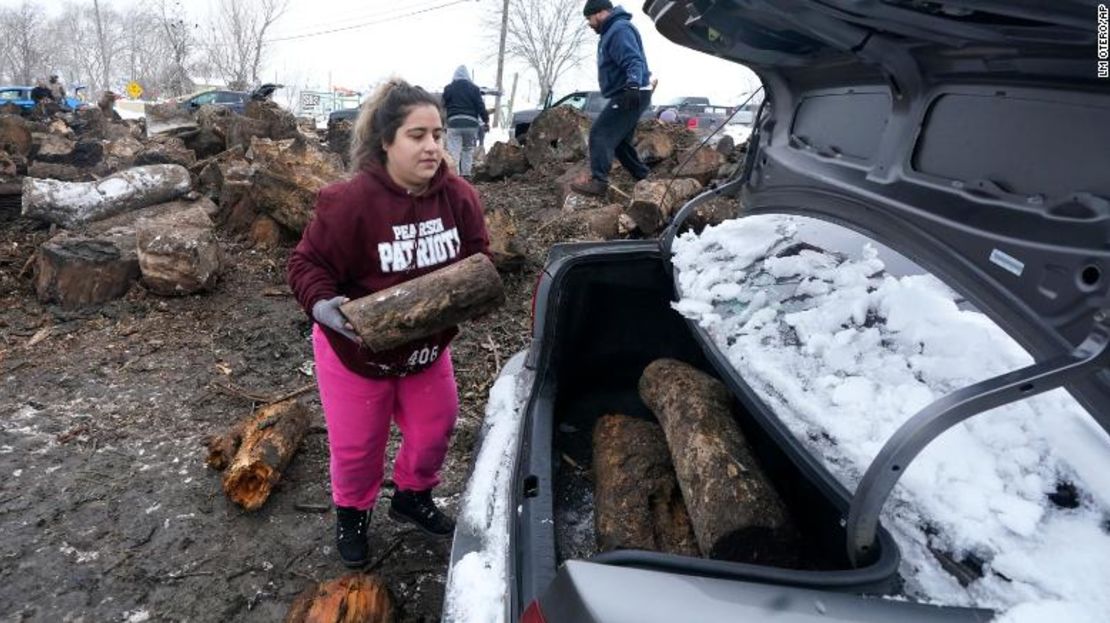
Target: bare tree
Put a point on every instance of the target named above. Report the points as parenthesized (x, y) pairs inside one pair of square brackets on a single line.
[(238, 46), (23, 30), (548, 36), (180, 40)]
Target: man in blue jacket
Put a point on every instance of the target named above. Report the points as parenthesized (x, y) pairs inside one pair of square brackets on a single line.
[(624, 78)]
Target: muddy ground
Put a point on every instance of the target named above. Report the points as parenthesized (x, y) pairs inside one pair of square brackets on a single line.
[(106, 508)]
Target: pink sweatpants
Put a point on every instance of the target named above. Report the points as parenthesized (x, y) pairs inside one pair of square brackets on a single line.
[(358, 411)]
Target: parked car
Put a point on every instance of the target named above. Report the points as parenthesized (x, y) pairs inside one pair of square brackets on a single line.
[(589, 102), (235, 100), (966, 141), (21, 96)]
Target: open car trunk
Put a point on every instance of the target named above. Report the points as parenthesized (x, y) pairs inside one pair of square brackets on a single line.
[(609, 318)]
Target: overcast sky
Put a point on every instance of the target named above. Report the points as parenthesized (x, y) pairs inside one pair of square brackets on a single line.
[(372, 39)]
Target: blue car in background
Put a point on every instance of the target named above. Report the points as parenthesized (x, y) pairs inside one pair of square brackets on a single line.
[(21, 96)]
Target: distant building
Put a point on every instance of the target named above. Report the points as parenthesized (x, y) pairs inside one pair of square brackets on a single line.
[(320, 104)]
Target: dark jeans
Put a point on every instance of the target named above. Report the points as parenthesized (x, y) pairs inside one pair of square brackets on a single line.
[(612, 133)]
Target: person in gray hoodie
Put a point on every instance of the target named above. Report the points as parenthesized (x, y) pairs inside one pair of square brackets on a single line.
[(466, 116)]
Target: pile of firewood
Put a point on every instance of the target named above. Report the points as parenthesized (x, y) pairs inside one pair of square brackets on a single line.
[(689, 484), (142, 206)]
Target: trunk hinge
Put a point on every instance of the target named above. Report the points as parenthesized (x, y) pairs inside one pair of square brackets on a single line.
[(1087, 359)]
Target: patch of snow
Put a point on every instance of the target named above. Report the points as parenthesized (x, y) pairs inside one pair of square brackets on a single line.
[(477, 583), (844, 352), (138, 616)]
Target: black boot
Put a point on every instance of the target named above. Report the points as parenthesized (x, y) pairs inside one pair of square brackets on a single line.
[(417, 507), (350, 535)]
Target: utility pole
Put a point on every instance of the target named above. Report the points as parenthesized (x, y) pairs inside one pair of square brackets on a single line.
[(501, 63)]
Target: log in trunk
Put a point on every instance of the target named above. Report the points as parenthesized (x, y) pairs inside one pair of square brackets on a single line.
[(72, 203), (637, 501), (736, 513), (654, 202), (260, 448), (353, 598), (428, 304)]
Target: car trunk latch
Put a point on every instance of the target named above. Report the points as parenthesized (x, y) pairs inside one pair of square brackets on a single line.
[(1090, 357)]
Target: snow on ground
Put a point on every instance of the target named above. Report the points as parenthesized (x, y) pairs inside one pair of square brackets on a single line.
[(844, 352)]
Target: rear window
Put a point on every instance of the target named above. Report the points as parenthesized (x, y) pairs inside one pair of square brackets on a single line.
[(844, 339)]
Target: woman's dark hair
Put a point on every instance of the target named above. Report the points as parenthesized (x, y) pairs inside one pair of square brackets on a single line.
[(380, 118)]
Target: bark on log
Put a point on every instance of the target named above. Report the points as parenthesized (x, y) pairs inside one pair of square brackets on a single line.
[(559, 134), (279, 123), (428, 304), (353, 598), (653, 141), (736, 513), (74, 271), (654, 202), (637, 501), (503, 160), (260, 448), (71, 203), (59, 172), (702, 164), (713, 212), (166, 150)]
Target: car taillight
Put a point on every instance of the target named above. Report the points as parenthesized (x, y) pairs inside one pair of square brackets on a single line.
[(692, 123), (532, 614)]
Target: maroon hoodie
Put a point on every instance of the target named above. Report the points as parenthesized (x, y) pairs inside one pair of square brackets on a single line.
[(369, 234)]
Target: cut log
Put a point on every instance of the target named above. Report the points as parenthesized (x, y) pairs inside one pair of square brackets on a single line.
[(178, 253), (637, 502), (265, 233), (279, 124), (504, 245), (15, 135), (559, 134), (166, 150), (74, 270), (120, 154), (168, 118), (503, 160), (52, 148), (9, 165), (737, 515), (713, 212), (571, 201), (242, 130), (71, 203), (428, 304), (700, 164), (286, 177), (59, 172), (654, 202), (604, 223), (260, 447), (653, 141), (353, 598)]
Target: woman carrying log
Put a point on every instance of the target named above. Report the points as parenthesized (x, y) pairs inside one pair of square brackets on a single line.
[(401, 215)]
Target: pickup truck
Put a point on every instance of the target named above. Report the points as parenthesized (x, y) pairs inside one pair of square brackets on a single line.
[(589, 102), (695, 113)]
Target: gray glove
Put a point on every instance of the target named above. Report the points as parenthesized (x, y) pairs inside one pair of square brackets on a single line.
[(327, 313)]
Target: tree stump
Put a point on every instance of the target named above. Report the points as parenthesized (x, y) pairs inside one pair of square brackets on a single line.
[(353, 598), (559, 134), (72, 203), (637, 501), (503, 160), (654, 202), (426, 305), (700, 164), (255, 451), (653, 142), (737, 515)]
